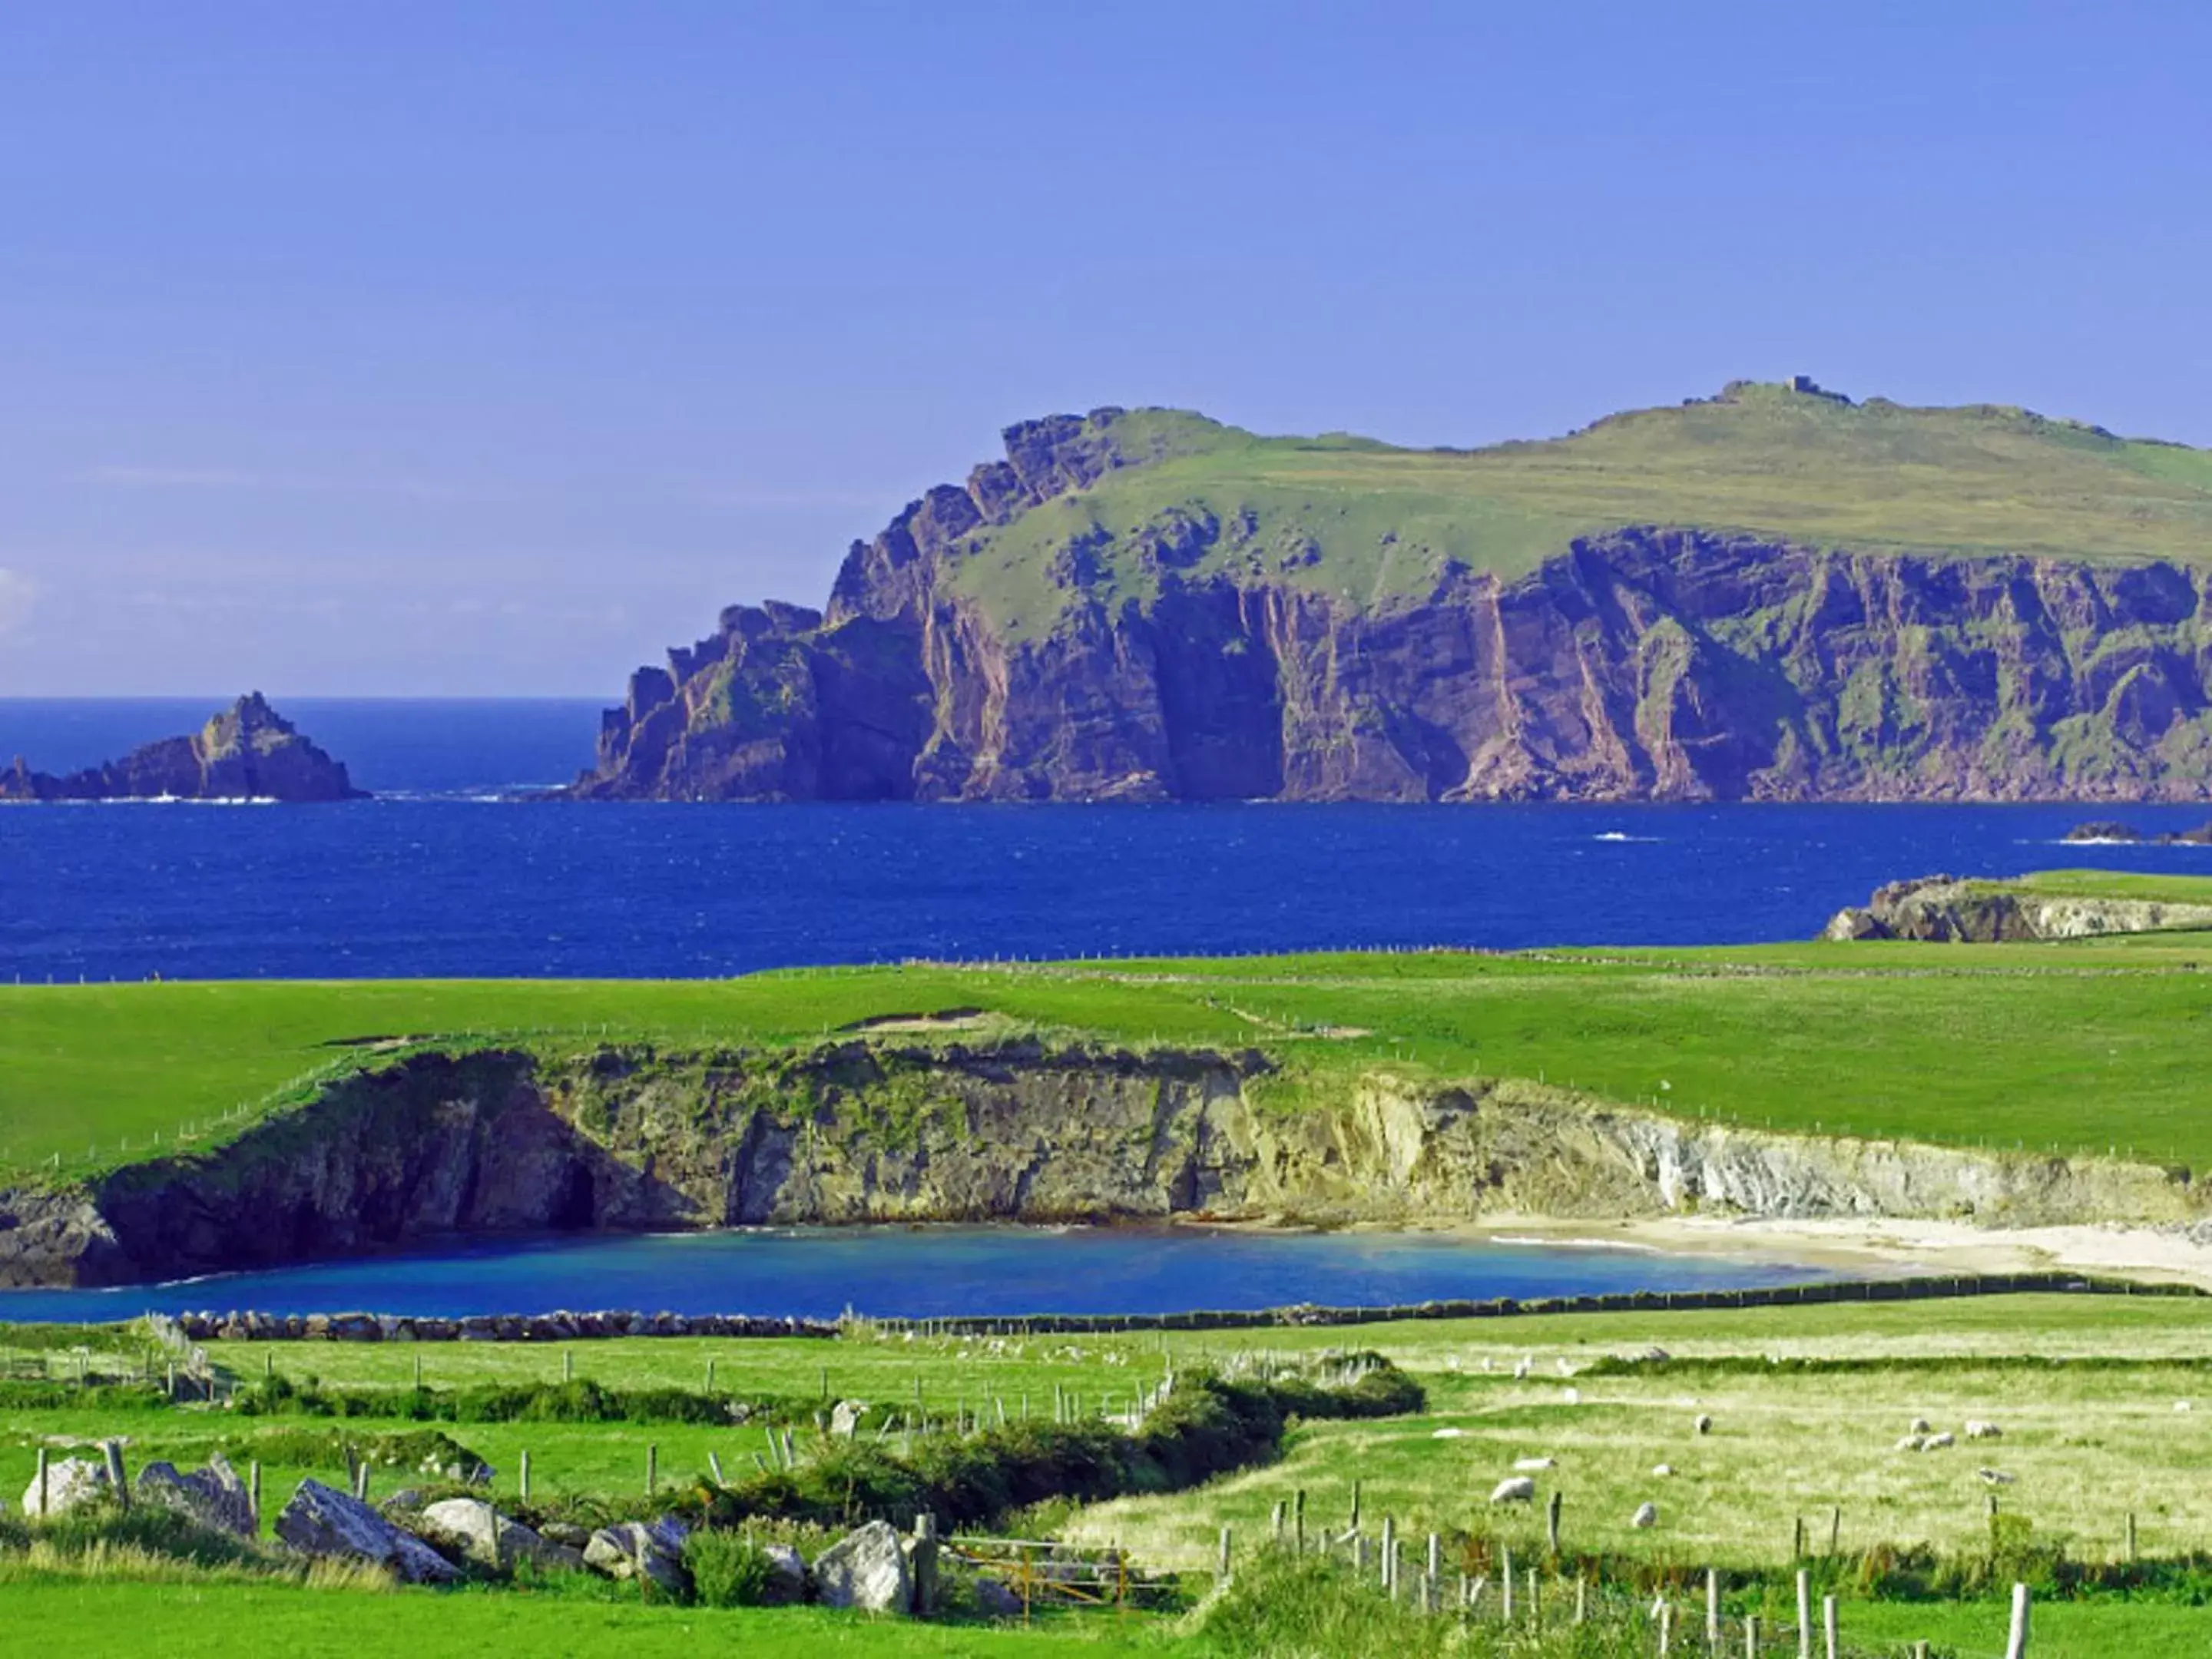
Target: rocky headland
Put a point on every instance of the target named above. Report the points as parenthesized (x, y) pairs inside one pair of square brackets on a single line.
[(439, 1144), (1145, 605), (248, 751), (1945, 909)]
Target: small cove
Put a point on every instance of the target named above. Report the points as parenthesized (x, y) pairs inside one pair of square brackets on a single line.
[(934, 1272)]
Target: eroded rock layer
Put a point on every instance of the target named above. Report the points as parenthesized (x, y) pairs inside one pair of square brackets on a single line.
[(854, 1132)]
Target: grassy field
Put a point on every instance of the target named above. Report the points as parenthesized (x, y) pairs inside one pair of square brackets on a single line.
[(1998, 1046), (2084, 1388), (1371, 522)]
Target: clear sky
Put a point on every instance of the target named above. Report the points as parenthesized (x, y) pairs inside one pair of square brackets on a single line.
[(482, 348)]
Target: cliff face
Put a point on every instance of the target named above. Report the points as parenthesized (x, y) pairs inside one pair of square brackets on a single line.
[(1642, 663), (248, 751), (493, 1142)]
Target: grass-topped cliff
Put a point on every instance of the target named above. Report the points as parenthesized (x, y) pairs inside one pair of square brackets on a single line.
[(1375, 524), (1771, 593), (2067, 1075)]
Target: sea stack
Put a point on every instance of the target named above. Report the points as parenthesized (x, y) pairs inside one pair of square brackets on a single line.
[(248, 751)]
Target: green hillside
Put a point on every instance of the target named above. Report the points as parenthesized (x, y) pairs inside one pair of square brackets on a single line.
[(1365, 520), (2081, 1046)]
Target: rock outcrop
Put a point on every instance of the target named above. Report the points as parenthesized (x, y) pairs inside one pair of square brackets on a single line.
[(852, 1132), (247, 752), (1944, 909), (321, 1521), (1645, 661), (215, 1497)]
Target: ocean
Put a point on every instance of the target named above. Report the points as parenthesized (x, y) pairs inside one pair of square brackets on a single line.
[(449, 872)]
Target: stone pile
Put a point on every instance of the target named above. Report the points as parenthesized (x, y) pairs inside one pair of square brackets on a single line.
[(253, 1327)]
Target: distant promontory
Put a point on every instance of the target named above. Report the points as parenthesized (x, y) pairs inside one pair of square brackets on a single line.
[(1775, 594), (247, 752)]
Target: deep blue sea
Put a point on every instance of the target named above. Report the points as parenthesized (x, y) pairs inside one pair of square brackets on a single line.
[(449, 874), (929, 1272)]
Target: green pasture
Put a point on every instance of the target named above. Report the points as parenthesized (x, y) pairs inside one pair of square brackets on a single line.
[(2089, 1047), (2084, 1388)]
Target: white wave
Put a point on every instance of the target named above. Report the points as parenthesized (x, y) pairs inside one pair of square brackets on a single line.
[(1622, 834)]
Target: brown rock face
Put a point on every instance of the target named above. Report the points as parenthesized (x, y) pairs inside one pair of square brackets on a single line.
[(1647, 663), (248, 751)]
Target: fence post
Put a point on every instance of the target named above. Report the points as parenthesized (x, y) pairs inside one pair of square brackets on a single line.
[(2016, 1642), (651, 1470), (524, 1475), (1277, 1520), (1828, 1627), (1298, 1518), (1222, 1571), (1505, 1584), (1712, 1609), (1751, 1636), (1581, 1600), (2131, 1535), (1436, 1555), (1536, 1603), (118, 1477), (1389, 1552), (1355, 1505), (568, 1365), (1798, 1542), (925, 1562), (40, 1482), (1835, 1531), (1804, 1615), (1551, 1521), (361, 1479)]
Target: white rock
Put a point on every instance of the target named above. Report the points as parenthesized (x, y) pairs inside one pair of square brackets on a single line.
[(631, 1547), (323, 1520), (1527, 1465), (1519, 1490), (866, 1569), (70, 1483), (1447, 1434), (1646, 1516), (470, 1525), (787, 1574)]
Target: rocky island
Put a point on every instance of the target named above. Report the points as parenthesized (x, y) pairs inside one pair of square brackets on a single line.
[(1775, 594), (247, 752)]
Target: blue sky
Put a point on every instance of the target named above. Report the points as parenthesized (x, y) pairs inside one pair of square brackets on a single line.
[(402, 348)]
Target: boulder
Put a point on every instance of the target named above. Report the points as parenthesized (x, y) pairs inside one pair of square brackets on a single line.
[(787, 1575), (481, 1533), (567, 1533), (632, 1549), (323, 1520), (866, 1569), (996, 1600), (71, 1484), (215, 1496)]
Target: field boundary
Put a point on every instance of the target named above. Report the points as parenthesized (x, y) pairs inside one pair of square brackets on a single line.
[(251, 1327)]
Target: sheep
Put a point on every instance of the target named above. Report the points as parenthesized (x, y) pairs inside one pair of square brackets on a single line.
[(1566, 1366), (1663, 1471), (1913, 1443), (1647, 1515), (2181, 1405), (1519, 1490), (1573, 1396), (1976, 1429), (1701, 1424), (1922, 1425), (1937, 1442), (1529, 1465), (1522, 1367), (1995, 1477)]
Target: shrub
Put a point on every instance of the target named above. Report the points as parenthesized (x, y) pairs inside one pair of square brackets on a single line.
[(728, 1568)]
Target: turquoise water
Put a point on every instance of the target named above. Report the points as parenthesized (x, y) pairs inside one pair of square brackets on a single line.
[(928, 1272)]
